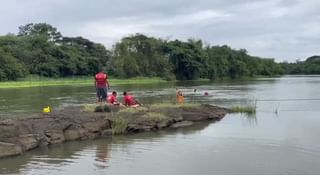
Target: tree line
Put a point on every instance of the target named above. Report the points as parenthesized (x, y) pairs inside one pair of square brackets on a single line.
[(39, 49), (310, 66), (139, 55)]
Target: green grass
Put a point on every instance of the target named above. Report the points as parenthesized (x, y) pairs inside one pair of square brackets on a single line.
[(155, 117), (133, 110), (172, 105), (249, 108), (243, 109), (148, 113), (120, 121), (119, 125), (89, 107), (35, 81), (157, 106)]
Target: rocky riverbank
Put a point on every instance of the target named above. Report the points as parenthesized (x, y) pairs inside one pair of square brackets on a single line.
[(78, 123)]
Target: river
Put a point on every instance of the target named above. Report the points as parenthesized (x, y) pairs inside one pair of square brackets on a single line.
[(281, 138)]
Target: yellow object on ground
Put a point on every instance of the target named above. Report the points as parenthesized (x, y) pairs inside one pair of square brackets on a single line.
[(46, 109)]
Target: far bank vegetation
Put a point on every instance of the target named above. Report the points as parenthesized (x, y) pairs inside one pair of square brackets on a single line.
[(41, 50)]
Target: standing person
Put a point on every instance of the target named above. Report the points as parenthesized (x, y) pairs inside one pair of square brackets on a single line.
[(130, 101), (180, 97), (101, 84)]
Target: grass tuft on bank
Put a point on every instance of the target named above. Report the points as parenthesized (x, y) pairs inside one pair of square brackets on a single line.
[(119, 125), (249, 108), (172, 105), (120, 118), (133, 110), (243, 109), (155, 117), (89, 107)]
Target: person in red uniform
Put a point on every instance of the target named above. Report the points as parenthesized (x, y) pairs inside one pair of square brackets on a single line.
[(112, 99), (101, 84), (130, 101)]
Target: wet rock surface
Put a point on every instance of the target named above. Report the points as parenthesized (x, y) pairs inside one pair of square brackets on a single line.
[(182, 124), (72, 123)]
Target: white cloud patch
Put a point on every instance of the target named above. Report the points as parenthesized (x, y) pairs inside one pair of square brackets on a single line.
[(113, 30)]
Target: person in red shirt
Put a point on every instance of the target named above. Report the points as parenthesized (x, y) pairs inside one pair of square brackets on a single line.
[(130, 101), (112, 99), (101, 84)]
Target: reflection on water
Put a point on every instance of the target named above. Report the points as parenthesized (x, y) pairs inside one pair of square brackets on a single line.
[(249, 119), (102, 156), (100, 152), (281, 138)]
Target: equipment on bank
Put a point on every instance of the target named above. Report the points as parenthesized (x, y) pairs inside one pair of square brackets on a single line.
[(46, 109)]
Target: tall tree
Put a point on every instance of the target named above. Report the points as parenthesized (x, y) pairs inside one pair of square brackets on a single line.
[(10, 68), (40, 29), (139, 55), (188, 58)]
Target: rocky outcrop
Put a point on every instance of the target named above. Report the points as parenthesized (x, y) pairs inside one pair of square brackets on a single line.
[(20, 135), (23, 134)]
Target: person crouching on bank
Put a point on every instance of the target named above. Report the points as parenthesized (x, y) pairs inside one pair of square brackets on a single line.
[(130, 101), (112, 99)]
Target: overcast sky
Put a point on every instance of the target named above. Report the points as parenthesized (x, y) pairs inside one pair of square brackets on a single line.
[(280, 29)]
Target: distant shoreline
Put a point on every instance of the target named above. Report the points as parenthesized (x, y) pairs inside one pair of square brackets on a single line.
[(37, 81), (74, 81)]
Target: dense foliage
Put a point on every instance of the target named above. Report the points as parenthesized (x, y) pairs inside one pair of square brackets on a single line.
[(310, 66), (40, 49)]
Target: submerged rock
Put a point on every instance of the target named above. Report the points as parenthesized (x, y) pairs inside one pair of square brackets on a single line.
[(9, 149), (182, 124)]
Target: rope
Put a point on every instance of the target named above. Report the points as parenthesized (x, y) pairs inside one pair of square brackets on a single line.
[(301, 99)]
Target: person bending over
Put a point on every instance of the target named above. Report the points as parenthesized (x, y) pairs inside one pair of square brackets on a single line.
[(130, 101), (112, 99)]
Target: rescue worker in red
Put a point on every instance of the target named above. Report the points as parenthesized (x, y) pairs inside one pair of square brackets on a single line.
[(102, 86), (112, 99), (130, 101)]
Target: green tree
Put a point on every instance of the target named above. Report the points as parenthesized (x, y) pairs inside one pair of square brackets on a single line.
[(40, 29), (139, 55), (188, 59), (10, 68)]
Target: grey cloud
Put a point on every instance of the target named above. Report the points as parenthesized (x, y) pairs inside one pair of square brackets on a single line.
[(283, 29)]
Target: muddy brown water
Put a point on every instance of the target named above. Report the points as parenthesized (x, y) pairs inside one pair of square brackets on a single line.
[(282, 138)]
